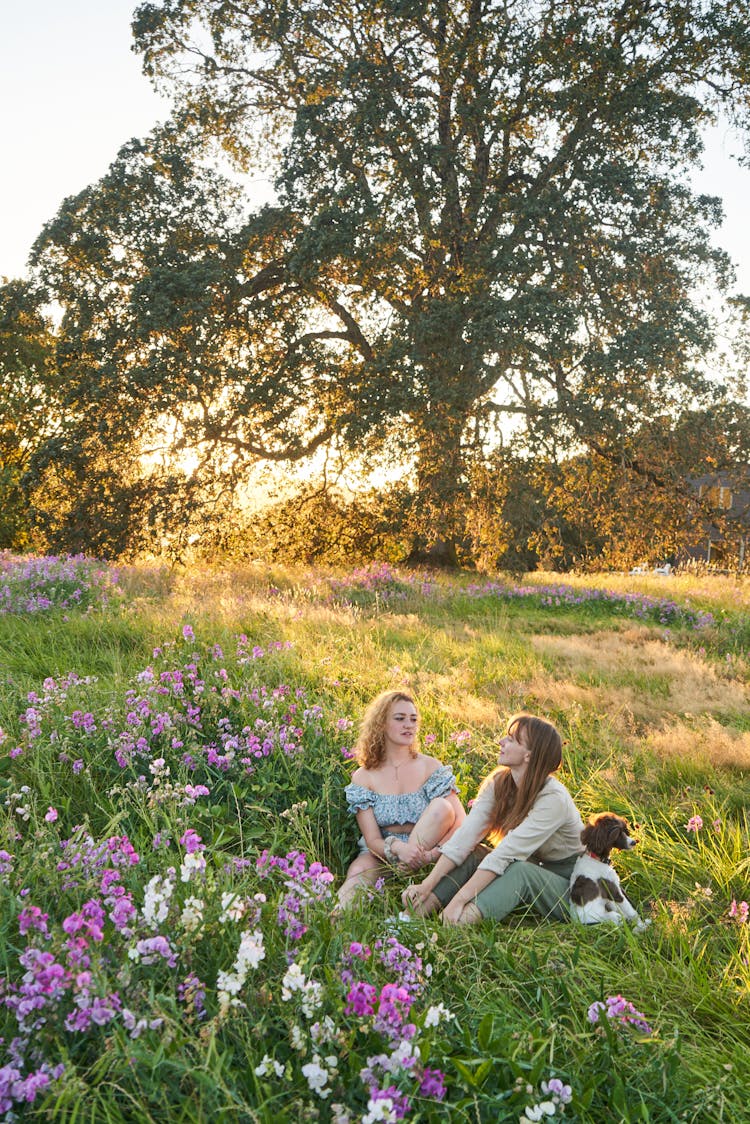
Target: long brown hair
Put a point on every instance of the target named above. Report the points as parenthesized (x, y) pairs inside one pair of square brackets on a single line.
[(513, 804), (369, 750)]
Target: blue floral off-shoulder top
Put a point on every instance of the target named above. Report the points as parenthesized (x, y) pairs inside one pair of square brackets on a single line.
[(405, 807)]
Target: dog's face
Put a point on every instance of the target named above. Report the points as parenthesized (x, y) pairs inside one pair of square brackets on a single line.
[(605, 832)]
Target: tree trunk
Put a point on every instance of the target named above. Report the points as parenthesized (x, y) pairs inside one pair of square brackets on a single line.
[(442, 492)]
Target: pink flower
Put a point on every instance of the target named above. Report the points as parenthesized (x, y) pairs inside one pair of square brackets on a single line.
[(51, 815), (429, 739), (191, 841), (695, 823), (739, 911), (621, 1012)]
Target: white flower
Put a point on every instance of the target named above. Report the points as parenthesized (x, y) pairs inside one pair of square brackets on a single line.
[(232, 907), (537, 1111), (317, 1077), (229, 982), (379, 1110), (312, 998), (312, 992), (249, 955), (269, 1064), (339, 1114), (192, 913), (251, 951), (156, 900), (193, 863), (297, 1039), (404, 1056), (326, 1031), (436, 1015), (294, 980)]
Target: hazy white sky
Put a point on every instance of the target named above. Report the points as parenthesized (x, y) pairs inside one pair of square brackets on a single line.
[(72, 93)]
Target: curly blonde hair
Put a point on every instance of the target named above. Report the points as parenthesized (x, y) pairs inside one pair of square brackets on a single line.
[(369, 750), (512, 804)]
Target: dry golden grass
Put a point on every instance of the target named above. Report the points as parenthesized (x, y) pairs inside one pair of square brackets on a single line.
[(702, 739), (717, 590), (632, 672)]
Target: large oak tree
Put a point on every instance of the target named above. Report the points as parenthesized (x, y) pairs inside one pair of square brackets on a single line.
[(483, 216)]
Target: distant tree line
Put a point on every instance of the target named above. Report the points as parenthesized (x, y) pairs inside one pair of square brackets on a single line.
[(484, 271)]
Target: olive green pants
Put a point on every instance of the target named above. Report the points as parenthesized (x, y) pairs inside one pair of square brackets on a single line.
[(542, 886)]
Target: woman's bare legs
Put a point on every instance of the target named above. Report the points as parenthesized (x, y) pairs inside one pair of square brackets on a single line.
[(363, 872), (440, 819)]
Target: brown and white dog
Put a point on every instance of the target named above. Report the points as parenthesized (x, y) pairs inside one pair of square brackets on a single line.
[(595, 891)]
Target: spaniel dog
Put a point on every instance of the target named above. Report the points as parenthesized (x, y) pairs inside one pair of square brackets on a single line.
[(595, 891)]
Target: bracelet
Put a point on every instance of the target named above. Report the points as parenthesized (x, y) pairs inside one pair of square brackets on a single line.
[(388, 853)]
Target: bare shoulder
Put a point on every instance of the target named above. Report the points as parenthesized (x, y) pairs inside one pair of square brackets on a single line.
[(361, 777), (430, 764)]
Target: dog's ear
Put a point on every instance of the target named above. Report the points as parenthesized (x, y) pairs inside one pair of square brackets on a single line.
[(616, 829), (595, 834)]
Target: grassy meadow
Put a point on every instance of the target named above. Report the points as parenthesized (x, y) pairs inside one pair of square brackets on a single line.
[(173, 752)]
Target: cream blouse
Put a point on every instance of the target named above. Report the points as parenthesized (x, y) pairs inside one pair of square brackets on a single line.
[(550, 832)]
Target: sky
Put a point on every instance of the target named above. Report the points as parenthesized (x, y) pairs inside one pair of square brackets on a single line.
[(72, 93)]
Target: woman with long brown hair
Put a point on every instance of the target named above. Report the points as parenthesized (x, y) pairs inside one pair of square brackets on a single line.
[(405, 802), (534, 832)]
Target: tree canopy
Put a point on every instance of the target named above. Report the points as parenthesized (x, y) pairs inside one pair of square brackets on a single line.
[(29, 401), (483, 224)]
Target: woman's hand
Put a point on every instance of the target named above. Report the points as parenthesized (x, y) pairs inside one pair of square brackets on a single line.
[(451, 914), (415, 895), (411, 856), (461, 913), (420, 899)]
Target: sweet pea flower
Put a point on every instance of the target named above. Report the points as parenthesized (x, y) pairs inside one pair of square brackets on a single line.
[(739, 911)]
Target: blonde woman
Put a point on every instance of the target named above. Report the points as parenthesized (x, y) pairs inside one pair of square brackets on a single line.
[(405, 802), (534, 831)]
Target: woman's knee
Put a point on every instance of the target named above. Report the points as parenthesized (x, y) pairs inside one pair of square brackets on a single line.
[(363, 866), (443, 813)]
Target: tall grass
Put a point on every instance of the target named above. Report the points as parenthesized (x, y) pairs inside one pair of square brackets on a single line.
[(158, 743)]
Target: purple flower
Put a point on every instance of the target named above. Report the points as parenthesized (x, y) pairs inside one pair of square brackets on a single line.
[(151, 948), (51, 815), (433, 1084), (187, 632), (191, 841), (31, 917), (620, 1011), (557, 1090), (360, 999)]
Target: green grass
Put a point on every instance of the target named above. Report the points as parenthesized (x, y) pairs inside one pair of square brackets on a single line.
[(637, 741)]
